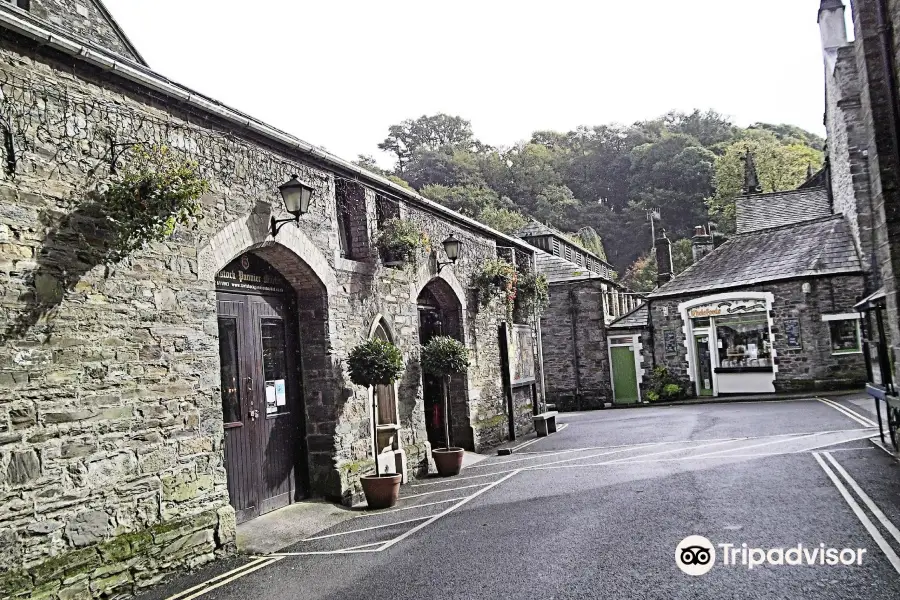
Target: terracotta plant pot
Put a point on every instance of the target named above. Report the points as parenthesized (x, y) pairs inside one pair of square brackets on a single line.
[(448, 461), (381, 491)]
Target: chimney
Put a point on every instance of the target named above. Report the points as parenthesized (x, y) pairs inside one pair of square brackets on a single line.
[(663, 259), (751, 177), (832, 25), (701, 243)]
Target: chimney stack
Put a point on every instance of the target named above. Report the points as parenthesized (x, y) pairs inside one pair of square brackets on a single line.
[(664, 259), (751, 177), (832, 26), (701, 243)]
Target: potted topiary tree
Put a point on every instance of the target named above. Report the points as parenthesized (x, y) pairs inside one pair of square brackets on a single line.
[(444, 356), (377, 362)]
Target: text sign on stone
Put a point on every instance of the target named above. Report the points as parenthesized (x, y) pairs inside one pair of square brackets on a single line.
[(792, 333), (670, 340), (521, 355), (250, 274), (727, 307)]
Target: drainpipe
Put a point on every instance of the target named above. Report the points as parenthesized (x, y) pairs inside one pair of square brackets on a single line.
[(540, 347), (889, 67), (573, 313)]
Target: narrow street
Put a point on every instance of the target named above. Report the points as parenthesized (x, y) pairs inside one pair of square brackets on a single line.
[(597, 510)]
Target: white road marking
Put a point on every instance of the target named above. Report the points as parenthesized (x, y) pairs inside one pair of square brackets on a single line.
[(463, 487), (208, 588), (767, 443), (858, 511), (445, 513), (413, 507), (331, 535), (876, 441), (861, 419), (445, 481), (891, 528), (536, 440)]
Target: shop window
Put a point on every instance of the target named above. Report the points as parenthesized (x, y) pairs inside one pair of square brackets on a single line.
[(845, 338), (743, 341)]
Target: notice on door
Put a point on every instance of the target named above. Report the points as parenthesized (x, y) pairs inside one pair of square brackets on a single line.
[(280, 396), (271, 398)]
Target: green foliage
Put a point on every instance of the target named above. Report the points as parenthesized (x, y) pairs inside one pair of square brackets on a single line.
[(443, 355), (641, 275), (603, 177), (401, 240), (532, 294), (590, 240), (665, 387), (498, 279), (780, 167), (375, 362), (154, 192)]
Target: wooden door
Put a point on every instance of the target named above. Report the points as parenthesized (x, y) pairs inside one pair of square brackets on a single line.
[(625, 385), (260, 402)]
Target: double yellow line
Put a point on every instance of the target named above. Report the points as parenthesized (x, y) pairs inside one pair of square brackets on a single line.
[(226, 578)]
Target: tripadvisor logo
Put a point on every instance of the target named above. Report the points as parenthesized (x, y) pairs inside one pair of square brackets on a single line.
[(696, 555)]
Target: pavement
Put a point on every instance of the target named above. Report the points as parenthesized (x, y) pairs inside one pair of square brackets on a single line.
[(598, 509)]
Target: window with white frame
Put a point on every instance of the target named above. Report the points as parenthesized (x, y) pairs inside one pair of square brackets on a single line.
[(23, 4), (844, 331)]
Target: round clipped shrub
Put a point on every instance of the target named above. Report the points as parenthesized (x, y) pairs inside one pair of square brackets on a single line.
[(375, 362), (443, 355)]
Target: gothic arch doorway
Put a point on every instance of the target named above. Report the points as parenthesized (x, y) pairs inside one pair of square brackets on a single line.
[(262, 385), (440, 313)]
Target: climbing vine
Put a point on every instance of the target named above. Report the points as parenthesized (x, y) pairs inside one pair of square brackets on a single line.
[(151, 195), (498, 279)]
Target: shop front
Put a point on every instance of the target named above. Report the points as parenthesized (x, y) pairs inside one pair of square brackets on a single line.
[(729, 343)]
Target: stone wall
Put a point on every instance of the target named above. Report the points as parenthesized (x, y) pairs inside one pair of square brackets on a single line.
[(86, 19), (576, 358), (813, 366), (847, 147), (110, 417)]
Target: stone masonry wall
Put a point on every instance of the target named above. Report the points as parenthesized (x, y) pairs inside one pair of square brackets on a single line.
[(86, 20), (812, 367), (847, 147), (110, 416), (586, 347)]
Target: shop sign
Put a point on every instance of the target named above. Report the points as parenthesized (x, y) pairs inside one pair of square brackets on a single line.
[(792, 333), (727, 307), (250, 275)]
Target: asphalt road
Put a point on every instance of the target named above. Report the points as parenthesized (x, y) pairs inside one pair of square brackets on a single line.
[(597, 510)]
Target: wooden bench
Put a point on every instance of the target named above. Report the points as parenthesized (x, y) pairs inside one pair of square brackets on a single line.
[(545, 423)]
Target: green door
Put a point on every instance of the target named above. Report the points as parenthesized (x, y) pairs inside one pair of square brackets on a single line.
[(625, 386)]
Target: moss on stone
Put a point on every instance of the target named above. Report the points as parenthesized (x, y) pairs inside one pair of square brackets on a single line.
[(15, 583), (490, 422), (67, 565)]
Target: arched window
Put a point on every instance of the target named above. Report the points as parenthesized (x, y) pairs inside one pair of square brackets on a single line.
[(385, 395)]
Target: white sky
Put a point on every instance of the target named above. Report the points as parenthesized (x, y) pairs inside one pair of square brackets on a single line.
[(337, 73)]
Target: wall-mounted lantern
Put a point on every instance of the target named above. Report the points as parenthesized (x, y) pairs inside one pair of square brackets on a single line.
[(451, 249), (296, 196)]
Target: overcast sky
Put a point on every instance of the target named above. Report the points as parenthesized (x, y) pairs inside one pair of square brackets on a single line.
[(337, 73)]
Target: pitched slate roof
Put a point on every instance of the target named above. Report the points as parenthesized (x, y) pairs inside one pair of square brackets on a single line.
[(639, 317), (816, 247), (762, 211), (535, 228), (556, 268)]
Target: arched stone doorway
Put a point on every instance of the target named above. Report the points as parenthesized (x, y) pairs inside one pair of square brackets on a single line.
[(440, 313), (273, 340)]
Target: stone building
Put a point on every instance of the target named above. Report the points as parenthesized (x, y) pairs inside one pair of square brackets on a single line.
[(584, 300), (863, 113), (149, 404)]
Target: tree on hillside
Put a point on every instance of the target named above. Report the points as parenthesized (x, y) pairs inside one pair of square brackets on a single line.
[(780, 167), (641, 275), (427, 133)]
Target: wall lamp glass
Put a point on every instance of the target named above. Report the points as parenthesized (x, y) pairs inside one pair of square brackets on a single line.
[(296, 196), (451, 249)]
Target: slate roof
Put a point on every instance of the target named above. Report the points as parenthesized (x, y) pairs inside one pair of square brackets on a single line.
[(535, 228), (556, 268), (637, 318), (761, 211), (816, 247)]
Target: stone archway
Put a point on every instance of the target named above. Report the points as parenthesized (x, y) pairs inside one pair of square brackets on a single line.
[(314, 283), (441, 313)]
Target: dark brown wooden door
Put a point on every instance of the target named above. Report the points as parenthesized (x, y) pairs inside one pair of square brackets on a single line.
[(260, 402)]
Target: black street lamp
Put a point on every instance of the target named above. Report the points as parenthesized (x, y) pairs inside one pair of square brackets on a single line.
[(451, 249), (296, 196)]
